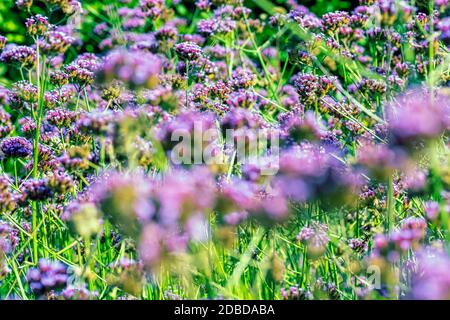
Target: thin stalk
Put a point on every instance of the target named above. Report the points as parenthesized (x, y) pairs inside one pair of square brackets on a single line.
[(86, 99), (390, 204), (187, 83), (102, 152), (40, 76), (431, 48), (15, 174)]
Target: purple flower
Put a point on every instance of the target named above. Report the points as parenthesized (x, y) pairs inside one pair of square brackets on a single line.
[(417, 118), (55, 42), (242, 78), (77, 293), (444, 27), (135, 69), (188, 51), (47, 276), (191, 125), (372, 86), (20, 56), (432, 210), (60, 182), (177, 196), (8, 200), (195, 38), (335, 20), (309, 172), (431, 281), (305, 19), (309, 128), (96, 122), (296, 293), (235, 218), (126, 199), (24, 4), (152, 8), (311, 88), (241, 99), (37, 25), (79, 75), (61, 118), (27, 126), (239, 118), (216, 26), (158, 244), (16, 147), (203, 4), (36, 190), (59, 78), (315, 238), (101, 29), (25, 91), (9, 237), (358, 245), (380, 159), (5, 123), (166, 33)]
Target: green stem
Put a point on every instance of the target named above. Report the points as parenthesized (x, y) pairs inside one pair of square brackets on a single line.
[(86, 100), (34, 235), (21, 73), (39, 112), (15, 174), (390, 205), (102, 152), (187, 84), (431, 47)]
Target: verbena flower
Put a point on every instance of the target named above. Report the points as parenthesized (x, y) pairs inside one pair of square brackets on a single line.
[(135, 69), (417, 119), (5, 123), (188, 51), (55, 42), (16, 147), (126, 199), (76, 293), (37, 25), (37, 190), (19, 56), (315, 238), (48, 275), (24, 4), (431, 280), (61, 118)]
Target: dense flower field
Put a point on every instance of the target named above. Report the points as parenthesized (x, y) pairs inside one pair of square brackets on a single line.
[(224, 149)]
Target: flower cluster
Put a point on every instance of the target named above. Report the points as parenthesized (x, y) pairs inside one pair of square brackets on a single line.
[(47, 276), (20, 56)]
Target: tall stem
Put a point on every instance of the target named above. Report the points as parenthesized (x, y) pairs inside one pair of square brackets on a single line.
[(86, 99), (390, 204), (187, 84), (15, 174), (39, 112), (431, 49)]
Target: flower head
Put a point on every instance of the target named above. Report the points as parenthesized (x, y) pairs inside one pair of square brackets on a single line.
[(37, 25), (47, 276), (16, 147), (19, 56), (134, 68), (188, 51)]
